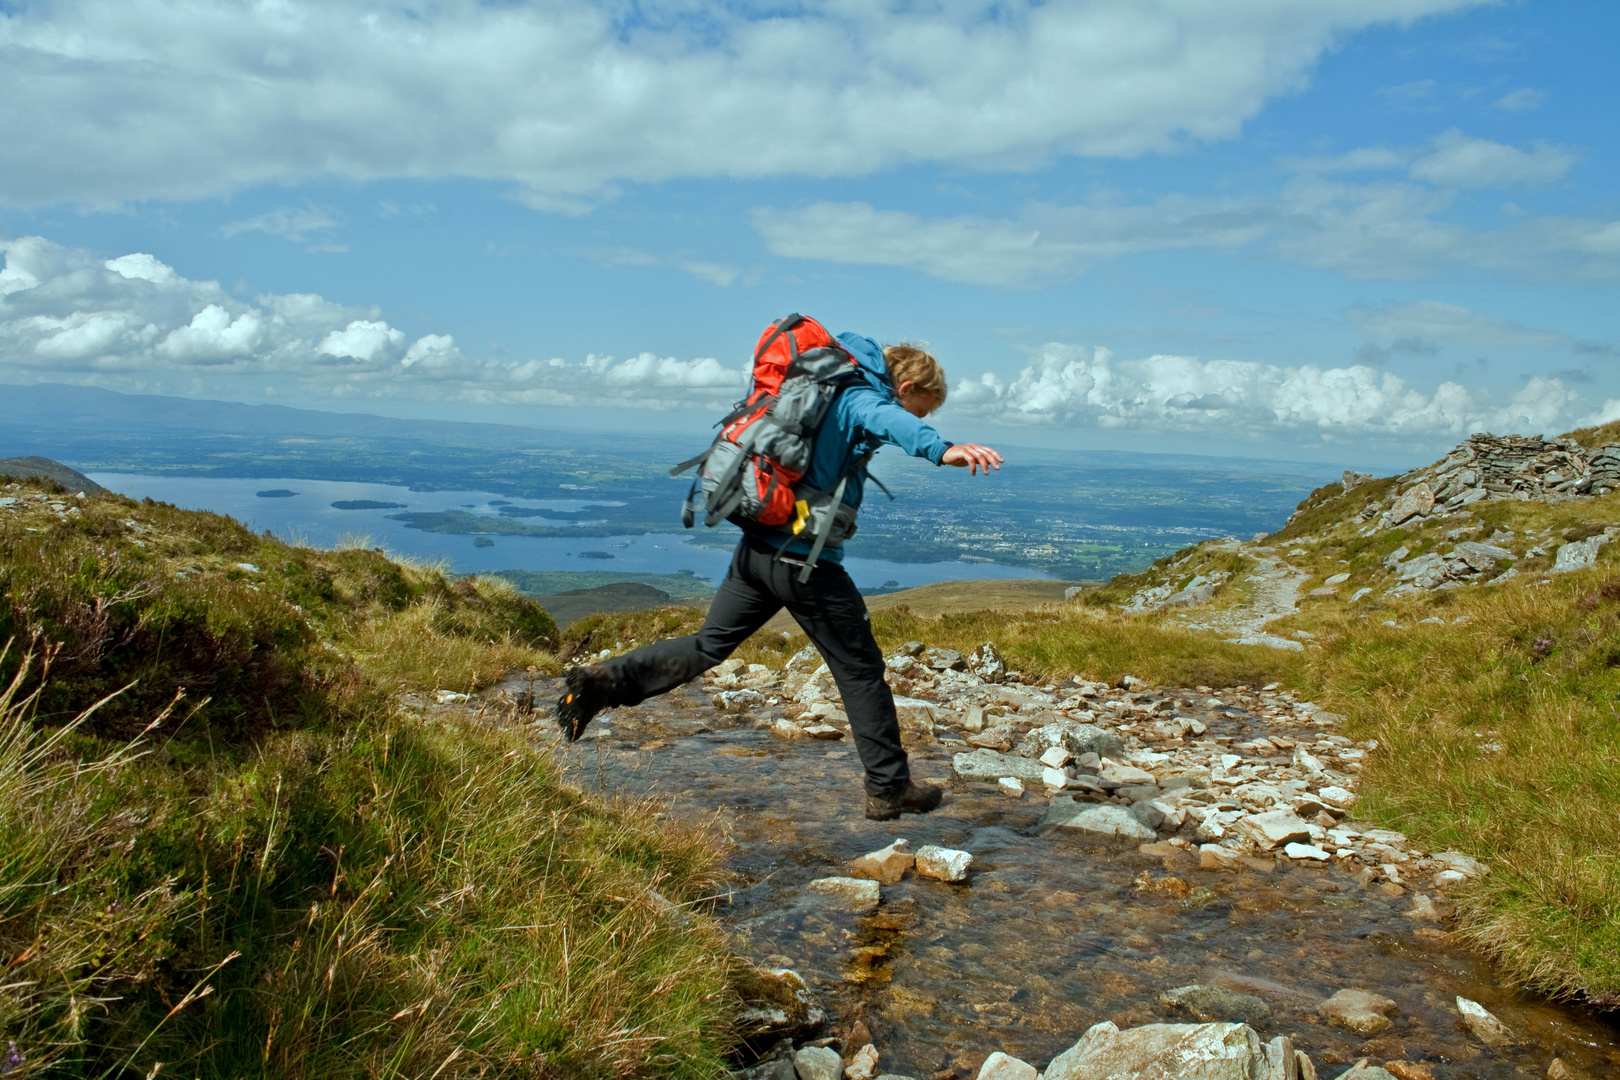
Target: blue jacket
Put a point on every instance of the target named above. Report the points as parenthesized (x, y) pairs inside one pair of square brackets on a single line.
[(868, 408)]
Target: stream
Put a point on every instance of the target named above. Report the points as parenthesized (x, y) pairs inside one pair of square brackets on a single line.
[(1050, 933)]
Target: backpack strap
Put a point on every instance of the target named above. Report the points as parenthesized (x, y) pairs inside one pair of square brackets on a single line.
[(825, 530), (783, 326)]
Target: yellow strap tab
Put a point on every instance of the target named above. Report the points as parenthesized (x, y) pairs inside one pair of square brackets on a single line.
[(802, 511)]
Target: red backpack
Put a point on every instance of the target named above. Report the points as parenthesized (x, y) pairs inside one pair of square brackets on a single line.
[(750, 474)]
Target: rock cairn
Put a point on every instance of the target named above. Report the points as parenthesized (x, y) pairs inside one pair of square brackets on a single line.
[(1511, 466)]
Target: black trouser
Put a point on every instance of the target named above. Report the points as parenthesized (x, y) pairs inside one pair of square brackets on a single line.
[(828, 608)]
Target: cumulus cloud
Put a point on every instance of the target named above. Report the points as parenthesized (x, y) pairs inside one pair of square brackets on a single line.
[(1075, 386), (1377, 228), (134, 323), (567, 98)]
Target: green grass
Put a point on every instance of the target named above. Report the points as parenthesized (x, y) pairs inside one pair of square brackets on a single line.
[(290, 877)]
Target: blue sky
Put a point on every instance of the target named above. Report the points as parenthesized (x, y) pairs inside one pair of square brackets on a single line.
[(1325, 230)]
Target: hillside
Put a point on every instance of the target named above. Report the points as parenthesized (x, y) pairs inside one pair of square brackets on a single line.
[(240, 836)]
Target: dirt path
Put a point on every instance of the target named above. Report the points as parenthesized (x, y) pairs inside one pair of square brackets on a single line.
[(1274, 592)]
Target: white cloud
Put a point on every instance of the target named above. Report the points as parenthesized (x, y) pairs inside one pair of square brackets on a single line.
[(619, 258), (1383, 228), (1523, 100), (567, 98), (1432, 320), (1075, 386), (135, 323), (288, 222), (1459, 161)]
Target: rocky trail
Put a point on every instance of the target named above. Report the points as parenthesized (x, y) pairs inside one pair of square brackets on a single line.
[(1126, 881), (1273, 592)]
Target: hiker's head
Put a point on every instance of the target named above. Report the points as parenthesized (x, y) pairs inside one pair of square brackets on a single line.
[(919, 381)]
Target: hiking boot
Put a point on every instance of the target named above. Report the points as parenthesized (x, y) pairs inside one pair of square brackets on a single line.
[(585, 697), (911, 800)]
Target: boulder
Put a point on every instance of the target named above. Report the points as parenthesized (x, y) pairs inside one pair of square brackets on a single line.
[(1104, 821), (987, 664), (1217, 1004), (1362, 1011), (1162, 1052), (1578, 554), (1417, 502), (946, 864), (885, 865)]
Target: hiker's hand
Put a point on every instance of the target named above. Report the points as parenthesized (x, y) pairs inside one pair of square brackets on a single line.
[(972, 455)]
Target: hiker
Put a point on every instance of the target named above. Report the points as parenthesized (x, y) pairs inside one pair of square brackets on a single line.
[(883, 398)]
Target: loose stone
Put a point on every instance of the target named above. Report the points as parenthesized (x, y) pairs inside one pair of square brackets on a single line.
[(1108, 822), (1486, 1028), (885, 865), (818, 1063), (863, 1065), (1163, 1052), (947, 864), (1275, 829), (1011, 786), (1212, 1004)]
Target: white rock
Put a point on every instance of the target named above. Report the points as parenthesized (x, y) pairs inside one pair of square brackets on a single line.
[(1486, 1028), (823, 731), (1275, 829), (990, 765), (1056, 757), (738, 700), (1337, 579), (1056, 779), (1578, 554), (1000, 1066), (1449, 879), (947, 864), (1162, 1052), (1116, 774), (1466, 865), (1011, 785), (1306, 851), (1337, 797), (818, 1063), (1220, 857)]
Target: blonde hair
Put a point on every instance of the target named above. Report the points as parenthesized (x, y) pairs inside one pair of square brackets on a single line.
[(908, 363)]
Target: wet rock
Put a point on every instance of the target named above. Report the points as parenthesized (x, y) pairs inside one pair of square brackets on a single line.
[(1409, 1070), (818, 1063), (1077, 738), (776, 1004), (738, 700), (1423, 908), (1361, 1011), (885, 865), (786, 729), (1000, 1066), (946, 864), (990, 765), (1220, 857), (843, 893), (1273, 830), (862, 1064), (1363, 1071), (825, 732), (1162, 1052), (1101, 821), (1215, 1004), (1486, 1028)]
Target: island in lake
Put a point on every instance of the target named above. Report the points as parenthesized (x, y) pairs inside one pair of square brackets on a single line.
[(364, 504), (276, 493)]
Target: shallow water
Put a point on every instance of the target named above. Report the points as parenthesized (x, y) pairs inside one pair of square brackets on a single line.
[(1050, 934)]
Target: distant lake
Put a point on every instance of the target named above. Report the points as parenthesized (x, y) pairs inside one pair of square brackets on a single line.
[(307, 516)]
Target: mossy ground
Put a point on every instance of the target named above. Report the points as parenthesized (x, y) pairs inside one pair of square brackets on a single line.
[(285, 875)]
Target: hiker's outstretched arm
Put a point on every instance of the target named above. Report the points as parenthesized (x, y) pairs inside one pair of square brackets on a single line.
[(878, 414), (973, 456)]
